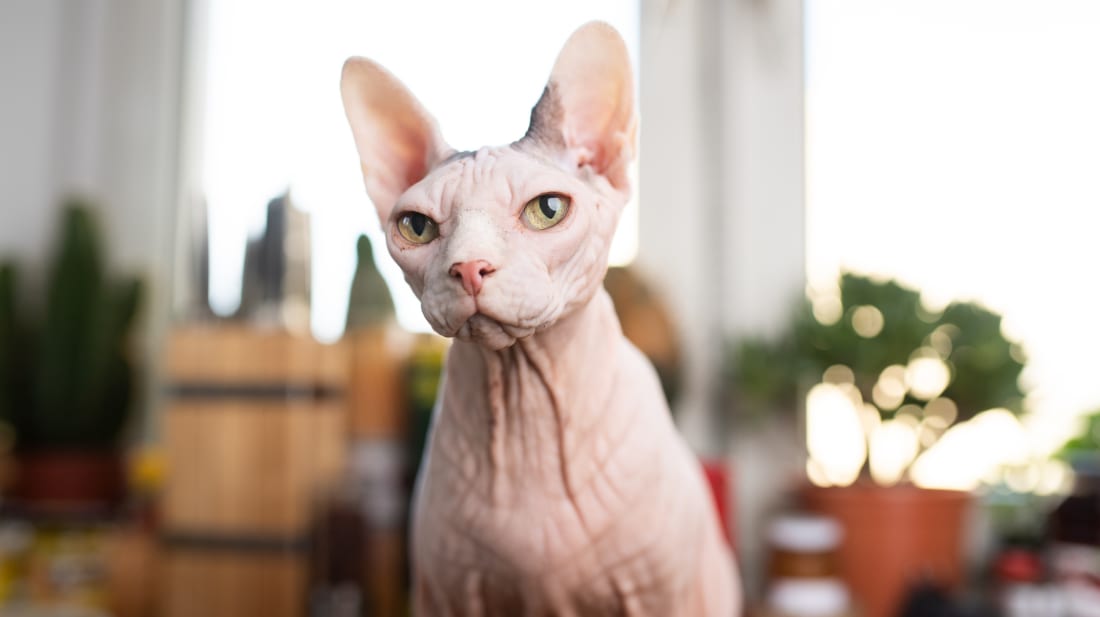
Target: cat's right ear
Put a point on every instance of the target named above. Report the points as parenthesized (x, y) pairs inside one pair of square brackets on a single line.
[(398, 141), (586, 112)]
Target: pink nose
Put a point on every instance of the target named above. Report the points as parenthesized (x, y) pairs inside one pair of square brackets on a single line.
[(472, 274)]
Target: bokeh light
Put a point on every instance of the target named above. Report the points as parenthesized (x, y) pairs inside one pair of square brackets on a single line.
[(893, 447), (839, 374), (867, 321), (834, 434), (890, 389), (927, 376), (827, 309), (972, 451)]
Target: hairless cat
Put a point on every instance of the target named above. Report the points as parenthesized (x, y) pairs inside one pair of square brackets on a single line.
[(554, 481)]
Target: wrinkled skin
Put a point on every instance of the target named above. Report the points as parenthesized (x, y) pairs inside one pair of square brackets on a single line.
[(554, 482)]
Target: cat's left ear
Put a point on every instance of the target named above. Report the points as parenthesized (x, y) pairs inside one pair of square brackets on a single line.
[(398, 141), (587, 109)]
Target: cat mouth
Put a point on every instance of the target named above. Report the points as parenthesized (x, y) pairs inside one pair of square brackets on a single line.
[(474, 321), (491, 332)]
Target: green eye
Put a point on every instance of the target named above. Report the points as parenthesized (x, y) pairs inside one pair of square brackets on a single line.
[(546, 210), (417, 228)]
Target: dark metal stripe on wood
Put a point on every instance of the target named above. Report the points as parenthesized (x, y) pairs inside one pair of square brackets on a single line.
[(253, 391), (247, 543)]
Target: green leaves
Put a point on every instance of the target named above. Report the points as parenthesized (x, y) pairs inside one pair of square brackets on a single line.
[(1086, 445), (877, 324), (985, 368)]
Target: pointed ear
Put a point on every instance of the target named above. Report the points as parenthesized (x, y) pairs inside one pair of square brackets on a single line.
[(587, 108), (398, 141)]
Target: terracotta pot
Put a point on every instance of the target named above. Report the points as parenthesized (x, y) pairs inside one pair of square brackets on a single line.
[(893, 537), (70, 477)]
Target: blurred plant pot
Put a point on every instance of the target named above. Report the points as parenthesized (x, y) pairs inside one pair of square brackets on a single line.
[(70, 477), (895, 537)]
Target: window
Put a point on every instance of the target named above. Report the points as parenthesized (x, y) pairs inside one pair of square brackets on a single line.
[(955, 146)]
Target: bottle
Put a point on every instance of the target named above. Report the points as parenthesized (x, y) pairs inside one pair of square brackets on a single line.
[(803, 576)]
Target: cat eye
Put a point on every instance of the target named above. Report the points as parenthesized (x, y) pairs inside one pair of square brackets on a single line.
[(417, 228), (546, 210)]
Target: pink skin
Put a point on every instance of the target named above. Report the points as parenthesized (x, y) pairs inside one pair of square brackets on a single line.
[(478, 202), (554, 481)]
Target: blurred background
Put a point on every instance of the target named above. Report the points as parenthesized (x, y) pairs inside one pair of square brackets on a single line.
[(861, 255)]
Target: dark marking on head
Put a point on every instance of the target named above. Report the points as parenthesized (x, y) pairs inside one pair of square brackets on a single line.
[(456, 156), (546, 118)]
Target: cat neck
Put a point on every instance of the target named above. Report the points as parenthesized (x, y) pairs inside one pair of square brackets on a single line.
[(527, 408)]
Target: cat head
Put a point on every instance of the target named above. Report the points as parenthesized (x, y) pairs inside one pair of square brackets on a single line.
[(503, 242)]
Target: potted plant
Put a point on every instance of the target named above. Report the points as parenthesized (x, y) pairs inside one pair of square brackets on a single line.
[(66, 379), (873, 358)]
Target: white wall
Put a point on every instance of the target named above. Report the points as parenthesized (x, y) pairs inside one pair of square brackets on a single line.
[(762, 171), (29, 51), (722, 211), (90, 106), (721, 173), (673, 187)]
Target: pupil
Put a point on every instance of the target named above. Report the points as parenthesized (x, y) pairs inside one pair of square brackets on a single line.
[(549, 204), (418, 222)]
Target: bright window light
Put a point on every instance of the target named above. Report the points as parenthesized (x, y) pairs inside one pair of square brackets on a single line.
[(956, 146)]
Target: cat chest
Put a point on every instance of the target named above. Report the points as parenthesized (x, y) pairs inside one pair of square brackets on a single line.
[(603, 546), (535, 563)]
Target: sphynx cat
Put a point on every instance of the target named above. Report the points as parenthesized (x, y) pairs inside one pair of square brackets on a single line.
[(554, 481)]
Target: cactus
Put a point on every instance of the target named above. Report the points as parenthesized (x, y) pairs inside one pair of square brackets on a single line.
[(80, 382), (7, 341), (370, 303)]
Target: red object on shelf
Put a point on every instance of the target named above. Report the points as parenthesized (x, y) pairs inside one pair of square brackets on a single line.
[(1018, 565), (718, 478)]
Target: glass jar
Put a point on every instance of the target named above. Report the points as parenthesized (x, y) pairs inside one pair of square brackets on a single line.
[(803, 579)]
